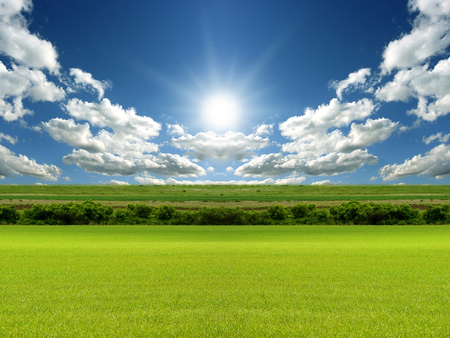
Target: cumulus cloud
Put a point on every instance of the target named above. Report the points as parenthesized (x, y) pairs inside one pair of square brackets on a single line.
[(267, 165), (324, 182), (430, 87), (336, 163), (11, 165), (17, 42), (363, 135), (86, 81), (330, 164), (264, 129), (172, 181), (233, 145), (435, 163), (76, 135), (21, 82), (80, 136), (354, 81), (110, 164), (335, 114), (116, 182), (428, 37), (175, 129), (125, 123)]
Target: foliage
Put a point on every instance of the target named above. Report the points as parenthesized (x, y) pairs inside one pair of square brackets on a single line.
[(352, 212), (277, 212), (437, 214), (221, 216), (164, 212), (302, 210), (9, 214)]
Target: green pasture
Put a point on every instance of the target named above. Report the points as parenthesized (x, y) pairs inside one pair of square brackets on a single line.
[(244, 281), (225, 193)]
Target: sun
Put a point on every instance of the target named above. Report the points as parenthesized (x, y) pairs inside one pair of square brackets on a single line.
[(221, 112)]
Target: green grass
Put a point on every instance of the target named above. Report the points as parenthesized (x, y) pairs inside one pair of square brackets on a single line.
[(225, 281), (225, 193)]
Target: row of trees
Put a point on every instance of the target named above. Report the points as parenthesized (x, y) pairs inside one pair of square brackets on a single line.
[(352, 212)]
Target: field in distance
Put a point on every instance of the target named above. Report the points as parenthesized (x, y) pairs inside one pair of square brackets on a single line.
[(188, 196)]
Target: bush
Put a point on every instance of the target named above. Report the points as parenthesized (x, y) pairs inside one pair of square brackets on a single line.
[(352, 212), (277, 212), (221, 216), (164, 212), (302, 210), (8, 214), (90, 212), (437, 214), (140, 210)]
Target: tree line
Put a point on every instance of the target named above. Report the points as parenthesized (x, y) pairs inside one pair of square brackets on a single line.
[(351, 213)]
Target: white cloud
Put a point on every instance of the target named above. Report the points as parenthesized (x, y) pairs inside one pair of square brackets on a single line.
[(438, 136), (80, 136), (172, 181), (233, 145), (335, 114), (330, 164), (10, 139), (267, 165), (324, 182), (264, 129), (76, 135), (435, 9), (175, 129), (116, 182), (17, 42), (354, 81), (21, 82), (425, 85), (126, 123), (363, 135), (11, 165), (110, 164), (150, 180), (435, 163), (85, 81), (336, 163), (429, 36), (210, 169), (11, 8), (229, 169)]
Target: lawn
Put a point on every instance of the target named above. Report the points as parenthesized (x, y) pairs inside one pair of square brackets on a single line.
[(225, 281)]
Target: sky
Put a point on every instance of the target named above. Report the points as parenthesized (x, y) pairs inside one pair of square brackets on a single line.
[(225, 92)]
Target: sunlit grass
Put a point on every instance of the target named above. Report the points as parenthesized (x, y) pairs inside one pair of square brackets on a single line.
[(224, 281)]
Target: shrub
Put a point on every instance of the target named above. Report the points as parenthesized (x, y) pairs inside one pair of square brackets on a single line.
[(140, 210), (221, 216), (9, 214), (123, 216), (437, 214), (302, 210), (90, 212), (277, 212), (164, 212)]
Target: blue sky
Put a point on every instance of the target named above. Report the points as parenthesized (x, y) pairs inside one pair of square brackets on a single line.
[(243, 92)]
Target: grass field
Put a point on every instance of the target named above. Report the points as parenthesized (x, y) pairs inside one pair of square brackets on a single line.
[(333, 281), (249, 197)]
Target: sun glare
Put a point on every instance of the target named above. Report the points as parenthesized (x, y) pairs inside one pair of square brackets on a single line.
[(220, 112)]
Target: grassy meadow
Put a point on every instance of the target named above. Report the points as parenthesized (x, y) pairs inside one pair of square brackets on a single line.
[(234, 281), (226, 193)]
